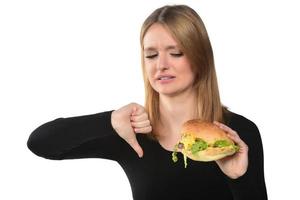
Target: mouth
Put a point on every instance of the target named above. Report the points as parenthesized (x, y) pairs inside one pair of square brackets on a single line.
[(162, 78)]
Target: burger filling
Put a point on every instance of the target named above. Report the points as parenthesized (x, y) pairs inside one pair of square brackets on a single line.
[(199, 145), (190, 144), (222, 143)]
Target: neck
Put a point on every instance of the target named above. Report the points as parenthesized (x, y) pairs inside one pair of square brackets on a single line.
[(174, 111)]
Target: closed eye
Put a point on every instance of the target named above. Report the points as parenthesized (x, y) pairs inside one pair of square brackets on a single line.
[(151, 56), (176, 54)]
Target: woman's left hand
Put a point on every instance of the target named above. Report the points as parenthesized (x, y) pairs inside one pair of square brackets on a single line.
[(236, 165)]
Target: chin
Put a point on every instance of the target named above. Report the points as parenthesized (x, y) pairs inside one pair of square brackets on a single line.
[(170, 93)]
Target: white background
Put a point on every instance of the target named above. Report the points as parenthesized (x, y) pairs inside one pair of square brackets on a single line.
[(68, 58)]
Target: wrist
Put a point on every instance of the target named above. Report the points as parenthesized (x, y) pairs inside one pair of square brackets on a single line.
[(114, 120)]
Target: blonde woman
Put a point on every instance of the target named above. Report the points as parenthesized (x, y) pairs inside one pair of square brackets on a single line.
[(180, 84)]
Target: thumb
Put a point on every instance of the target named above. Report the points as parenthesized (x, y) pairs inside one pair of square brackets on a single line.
[(138, 110), (135, 145), (134, 110)]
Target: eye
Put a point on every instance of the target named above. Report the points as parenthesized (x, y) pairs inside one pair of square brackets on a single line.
[(151, 56), (176, 54)]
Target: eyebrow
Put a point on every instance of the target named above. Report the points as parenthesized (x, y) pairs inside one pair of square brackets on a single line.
[(170, 47)]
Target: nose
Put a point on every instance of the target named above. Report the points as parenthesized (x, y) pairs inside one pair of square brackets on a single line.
[(162, 62)]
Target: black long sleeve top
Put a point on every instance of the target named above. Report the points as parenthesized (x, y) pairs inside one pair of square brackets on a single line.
[(154, 176)]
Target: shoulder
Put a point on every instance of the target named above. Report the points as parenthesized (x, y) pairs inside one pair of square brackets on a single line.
[(239, 121), (245, 127)]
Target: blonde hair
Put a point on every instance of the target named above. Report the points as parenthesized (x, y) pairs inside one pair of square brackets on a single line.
[(189, 31)]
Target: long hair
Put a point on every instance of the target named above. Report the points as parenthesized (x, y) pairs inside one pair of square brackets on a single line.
[(186, 26)]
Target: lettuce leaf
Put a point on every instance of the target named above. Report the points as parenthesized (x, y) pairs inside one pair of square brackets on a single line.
[(174, 154), (236, 148), (222, 143), (199, 145)]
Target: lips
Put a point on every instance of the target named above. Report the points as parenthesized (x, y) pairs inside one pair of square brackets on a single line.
[(165, 77)]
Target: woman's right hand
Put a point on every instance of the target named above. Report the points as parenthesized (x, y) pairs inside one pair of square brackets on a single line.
[(129, 120)]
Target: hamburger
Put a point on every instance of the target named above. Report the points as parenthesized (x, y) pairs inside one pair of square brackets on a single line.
[(203, 141)]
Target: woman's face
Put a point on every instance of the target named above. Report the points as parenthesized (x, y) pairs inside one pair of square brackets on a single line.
[(168, 69)]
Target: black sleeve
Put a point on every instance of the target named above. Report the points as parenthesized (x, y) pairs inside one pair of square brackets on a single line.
[(88, 136), (252, 184)]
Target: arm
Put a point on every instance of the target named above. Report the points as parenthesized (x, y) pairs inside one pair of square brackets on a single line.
[(77, 137), (252, 184)]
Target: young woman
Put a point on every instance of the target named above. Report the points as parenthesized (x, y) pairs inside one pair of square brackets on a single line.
[(180, 84)]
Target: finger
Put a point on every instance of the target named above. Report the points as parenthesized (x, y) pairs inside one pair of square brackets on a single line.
[(138, 110), (135, 145), (143, 130), (233, 135), (226, 128), (140, 117), (140, 124), (231, 132), (237, 140), (220, 125), (134, 109), (217, 123)]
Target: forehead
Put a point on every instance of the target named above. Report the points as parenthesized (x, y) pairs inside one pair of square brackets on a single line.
[(158, 37)]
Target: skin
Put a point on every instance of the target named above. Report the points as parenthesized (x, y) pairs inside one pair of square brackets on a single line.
[(163, 56), (130, 120), (177, 100), (236, 165)]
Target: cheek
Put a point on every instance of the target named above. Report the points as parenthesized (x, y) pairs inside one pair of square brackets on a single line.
[(191, 74), (149, 72), (186, 69), (187, 75)]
